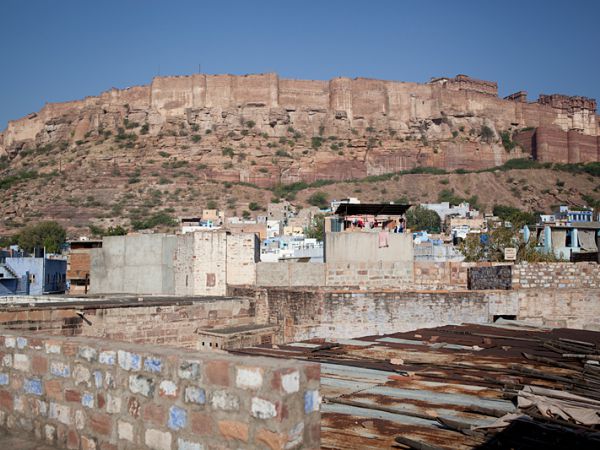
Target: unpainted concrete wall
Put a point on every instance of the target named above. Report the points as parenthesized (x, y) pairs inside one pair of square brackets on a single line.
[(346, 247), (141, 264)]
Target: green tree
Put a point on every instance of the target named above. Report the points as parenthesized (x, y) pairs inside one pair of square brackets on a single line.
[(116, 231), (317, 228), (319, 199), (514, 215), (499, 239), (419, 218), (49, 235), (487, 134)]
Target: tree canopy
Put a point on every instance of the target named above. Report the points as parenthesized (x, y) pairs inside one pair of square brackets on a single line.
[(514, 215), (493, 249), (317, 229), (423, 219), (48, 234)]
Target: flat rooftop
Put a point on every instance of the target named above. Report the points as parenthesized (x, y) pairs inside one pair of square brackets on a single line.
[(502, 385)]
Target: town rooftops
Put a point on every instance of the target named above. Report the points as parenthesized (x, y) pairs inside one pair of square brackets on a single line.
[(502, 385), (371, 209)]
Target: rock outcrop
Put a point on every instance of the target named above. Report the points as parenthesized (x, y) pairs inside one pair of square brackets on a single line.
[(286, 130)]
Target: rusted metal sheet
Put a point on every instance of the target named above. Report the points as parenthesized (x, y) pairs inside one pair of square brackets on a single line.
[(430, 388)]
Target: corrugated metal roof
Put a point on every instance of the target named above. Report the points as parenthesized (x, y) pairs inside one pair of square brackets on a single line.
[(431, 388)]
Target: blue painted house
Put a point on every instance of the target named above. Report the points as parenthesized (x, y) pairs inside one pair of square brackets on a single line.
[(29, 275)]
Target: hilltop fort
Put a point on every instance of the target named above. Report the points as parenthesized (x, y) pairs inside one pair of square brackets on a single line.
[(337, 129)]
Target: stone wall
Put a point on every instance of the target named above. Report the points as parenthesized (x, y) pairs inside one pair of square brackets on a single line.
[(320, 313), (151, 321), (290, 274), (94, 394), (369, 275), (243, 254), (553, 144), (485, 278), (556, 275)]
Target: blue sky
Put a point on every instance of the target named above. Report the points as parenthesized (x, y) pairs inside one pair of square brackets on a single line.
[(65, 50)]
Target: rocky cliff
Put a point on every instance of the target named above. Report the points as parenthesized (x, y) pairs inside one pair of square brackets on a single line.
[(291, 130), (265, 130)]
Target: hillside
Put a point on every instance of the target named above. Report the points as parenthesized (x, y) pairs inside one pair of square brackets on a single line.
[(185, 143)]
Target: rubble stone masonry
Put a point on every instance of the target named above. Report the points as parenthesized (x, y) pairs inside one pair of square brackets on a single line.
[(163, 323), (79, 393), (556, 275)]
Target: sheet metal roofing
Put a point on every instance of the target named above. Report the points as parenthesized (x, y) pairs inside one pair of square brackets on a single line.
[(502, 385), (371, 209)]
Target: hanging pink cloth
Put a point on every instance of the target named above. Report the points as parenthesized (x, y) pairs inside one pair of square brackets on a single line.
[(383, 239)]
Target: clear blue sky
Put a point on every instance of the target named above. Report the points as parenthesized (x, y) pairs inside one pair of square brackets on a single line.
[(64, 50)]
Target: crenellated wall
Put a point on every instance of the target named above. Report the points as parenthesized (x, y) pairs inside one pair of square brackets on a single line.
[(340, 106)]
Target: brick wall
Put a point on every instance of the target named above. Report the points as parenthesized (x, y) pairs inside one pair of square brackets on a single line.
[(556, 275), (161, 323), (79, 393)]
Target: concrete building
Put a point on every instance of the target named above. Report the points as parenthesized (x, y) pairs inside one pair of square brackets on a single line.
[(191, 224), (199, 263), (445, 209), (574, 241)]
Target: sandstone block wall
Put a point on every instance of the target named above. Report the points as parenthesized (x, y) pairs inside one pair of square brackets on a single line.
[(243, 254), (81, 393), (565, 308), (169, 323), (556, 276), (369, 275), (290, 274), (555, 145), (304, 314)]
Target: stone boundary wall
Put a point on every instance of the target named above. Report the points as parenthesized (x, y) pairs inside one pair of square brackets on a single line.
[(290, 274), (376, 275), (82, 393), (165, 323), (425, 276), (556, 275), (321, 313)]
